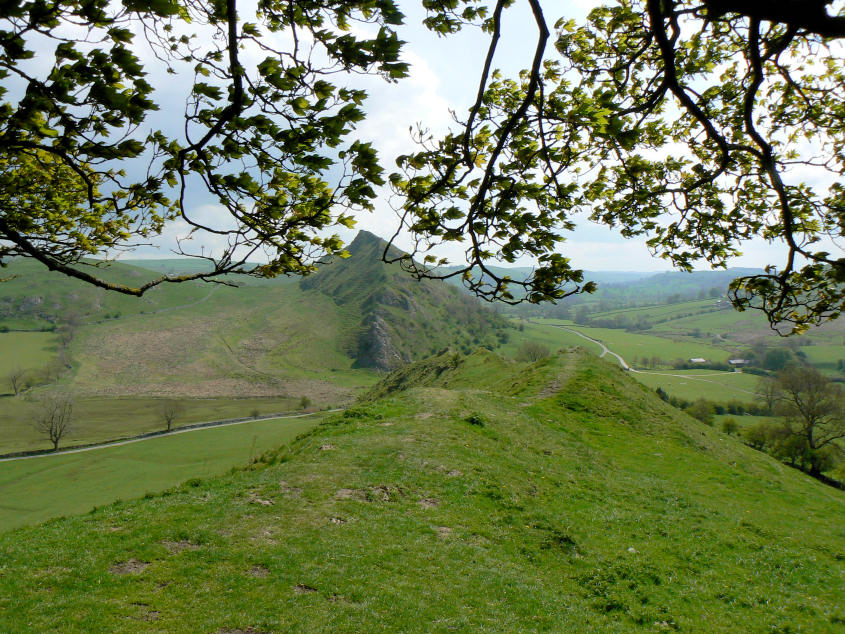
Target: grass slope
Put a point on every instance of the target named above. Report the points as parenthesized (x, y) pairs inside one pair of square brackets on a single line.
[(561, 496), (34, 297), (28, 351)]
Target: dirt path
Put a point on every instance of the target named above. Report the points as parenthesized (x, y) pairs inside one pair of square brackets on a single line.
[(184, 430)]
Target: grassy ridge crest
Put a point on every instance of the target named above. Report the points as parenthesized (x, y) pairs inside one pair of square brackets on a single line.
[(574, 501)]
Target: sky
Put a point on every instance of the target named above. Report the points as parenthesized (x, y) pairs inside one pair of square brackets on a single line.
[(444, 76)]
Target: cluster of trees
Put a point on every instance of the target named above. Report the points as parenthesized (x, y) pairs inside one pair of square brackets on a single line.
[(704, 409), (783, 443), (631, 323), (811, 417), (811, 409)]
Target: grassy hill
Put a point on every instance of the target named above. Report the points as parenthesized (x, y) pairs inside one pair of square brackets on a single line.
[(400, 319), (224, 351), (475, 494), (32, 297)]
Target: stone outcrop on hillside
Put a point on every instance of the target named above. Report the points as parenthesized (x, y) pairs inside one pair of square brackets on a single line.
[(401, 319)]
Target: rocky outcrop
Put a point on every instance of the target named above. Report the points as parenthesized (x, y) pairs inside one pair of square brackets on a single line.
[(399, 319), (375, 348)]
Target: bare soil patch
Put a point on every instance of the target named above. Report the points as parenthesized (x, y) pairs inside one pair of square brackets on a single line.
[(289, 491), (350, 494), (129, 567)]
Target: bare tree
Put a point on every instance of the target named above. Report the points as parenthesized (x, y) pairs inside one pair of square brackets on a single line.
[(170, 410), (16, 378), (52, 417), (812, 407), (768, 393)]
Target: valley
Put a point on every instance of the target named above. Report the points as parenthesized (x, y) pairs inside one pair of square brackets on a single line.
[(557, 495), (539, 458)]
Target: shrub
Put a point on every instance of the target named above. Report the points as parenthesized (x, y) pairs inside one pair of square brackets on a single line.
[(702, 410), (730, 426), (757, 436), (475, 419), (530, 352)]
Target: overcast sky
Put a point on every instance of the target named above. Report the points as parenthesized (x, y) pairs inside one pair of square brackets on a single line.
[(444, 75)]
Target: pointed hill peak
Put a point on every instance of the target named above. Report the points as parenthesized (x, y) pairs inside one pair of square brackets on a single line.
[(400, 319), (369, 245)]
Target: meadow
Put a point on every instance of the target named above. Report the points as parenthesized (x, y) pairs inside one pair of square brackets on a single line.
[(36, 489), (99, 420), (693, 384), (635, 345), (589, 507), (28, 351)]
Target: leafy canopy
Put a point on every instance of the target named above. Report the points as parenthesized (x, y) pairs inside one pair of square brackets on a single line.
[(82, 173), (695, 123)]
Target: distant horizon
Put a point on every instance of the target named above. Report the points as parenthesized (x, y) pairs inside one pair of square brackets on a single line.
[(156, 258), (147, 256)]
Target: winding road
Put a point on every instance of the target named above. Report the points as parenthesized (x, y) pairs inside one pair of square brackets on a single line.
[(698, 377)]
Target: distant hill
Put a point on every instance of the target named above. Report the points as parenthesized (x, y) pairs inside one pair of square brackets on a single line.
[(171, 266), (521, 273), (34, 297), (400, 319), (486, 495), (685, 283), (647, 290)]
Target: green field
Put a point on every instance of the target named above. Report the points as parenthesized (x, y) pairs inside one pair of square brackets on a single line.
[(98, 420), (660, 311), (694, 384), (560, 496), (634, 345), (710, 384), (29, 351), (36, 489), (745, 421), (825, 356)]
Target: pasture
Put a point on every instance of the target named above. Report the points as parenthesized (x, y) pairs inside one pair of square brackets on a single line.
[(693, 384), (100, 419), (37, 489), (29, 351), (686, 384), (635, 345)]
